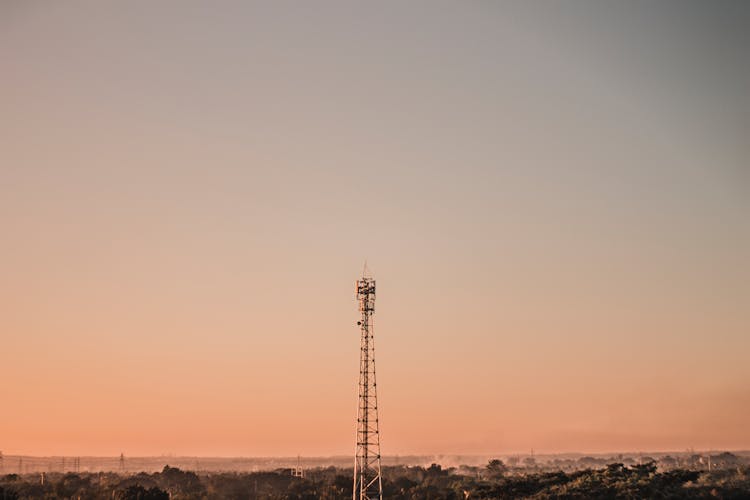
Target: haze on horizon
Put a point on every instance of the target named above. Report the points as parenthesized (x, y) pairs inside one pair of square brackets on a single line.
[(553, 197)]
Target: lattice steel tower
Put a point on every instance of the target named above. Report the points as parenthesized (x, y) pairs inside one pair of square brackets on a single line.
[(367, 480)]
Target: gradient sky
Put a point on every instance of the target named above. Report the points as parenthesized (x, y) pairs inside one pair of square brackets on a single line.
[(554, 198)]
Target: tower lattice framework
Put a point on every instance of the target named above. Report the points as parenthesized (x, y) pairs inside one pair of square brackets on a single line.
[(367, 479)]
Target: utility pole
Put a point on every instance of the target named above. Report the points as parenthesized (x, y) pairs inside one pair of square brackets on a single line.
[(298, 471)]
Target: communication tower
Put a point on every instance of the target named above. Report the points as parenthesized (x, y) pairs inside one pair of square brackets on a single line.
[(367, 479)]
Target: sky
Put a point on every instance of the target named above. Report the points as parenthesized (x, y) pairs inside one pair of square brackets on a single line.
[(554, 199)]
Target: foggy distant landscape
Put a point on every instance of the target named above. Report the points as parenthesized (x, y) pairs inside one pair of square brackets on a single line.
[(690, 459), (673, 475)]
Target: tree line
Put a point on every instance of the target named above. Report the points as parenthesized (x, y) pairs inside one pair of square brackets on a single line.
[(495, 481)]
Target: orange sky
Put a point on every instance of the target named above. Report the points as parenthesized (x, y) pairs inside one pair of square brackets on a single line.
[(554, 201)]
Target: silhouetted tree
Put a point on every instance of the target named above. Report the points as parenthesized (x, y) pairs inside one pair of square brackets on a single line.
[(496, 468)]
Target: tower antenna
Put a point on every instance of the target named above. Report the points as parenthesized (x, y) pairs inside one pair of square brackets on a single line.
[(368, 483), (365, 270)]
